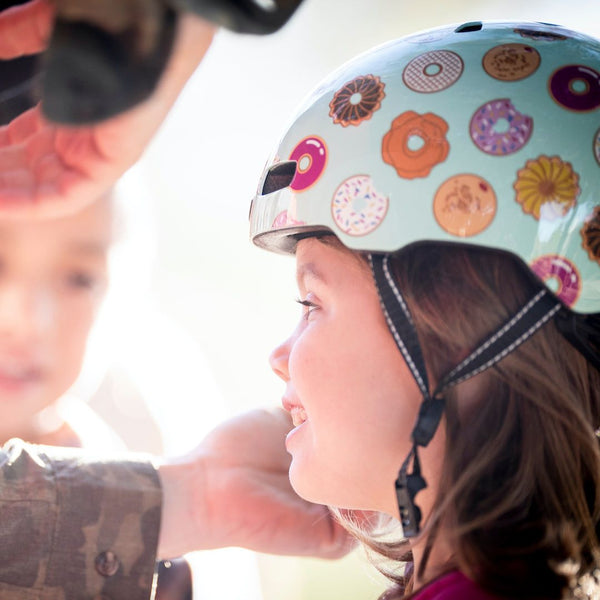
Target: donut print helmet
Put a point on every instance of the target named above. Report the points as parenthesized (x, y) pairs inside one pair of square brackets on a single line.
[(486, 134)]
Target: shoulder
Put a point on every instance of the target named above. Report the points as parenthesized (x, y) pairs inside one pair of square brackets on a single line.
[(453, 586)]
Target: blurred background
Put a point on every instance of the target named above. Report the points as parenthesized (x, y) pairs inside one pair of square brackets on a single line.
[(194, 309)]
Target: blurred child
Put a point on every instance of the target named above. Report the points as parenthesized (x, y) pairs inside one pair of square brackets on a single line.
[(53, 278), (440, 194)]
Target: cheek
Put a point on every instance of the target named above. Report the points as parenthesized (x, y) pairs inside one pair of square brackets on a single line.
[(73, 327)]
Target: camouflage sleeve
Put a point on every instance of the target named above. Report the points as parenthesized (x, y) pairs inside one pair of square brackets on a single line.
[(76, 527)]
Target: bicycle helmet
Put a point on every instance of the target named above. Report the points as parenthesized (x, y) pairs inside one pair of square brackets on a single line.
[(486, 134)]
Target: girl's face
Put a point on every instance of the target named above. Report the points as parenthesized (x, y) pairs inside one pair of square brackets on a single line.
[(350, 393)]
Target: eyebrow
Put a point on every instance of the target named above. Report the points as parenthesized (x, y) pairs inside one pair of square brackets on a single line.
[(309, 270), (88, 247)]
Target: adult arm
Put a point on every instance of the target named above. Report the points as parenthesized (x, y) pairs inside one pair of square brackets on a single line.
[(48, 169), (76, 526), (234, 490)]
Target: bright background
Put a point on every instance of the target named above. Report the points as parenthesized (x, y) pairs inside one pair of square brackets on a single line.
[(195, 309)]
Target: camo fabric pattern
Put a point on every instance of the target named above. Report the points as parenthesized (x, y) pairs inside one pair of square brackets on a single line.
[(76, 527)]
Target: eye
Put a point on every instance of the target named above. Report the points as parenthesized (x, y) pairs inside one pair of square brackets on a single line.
[(309, 307), (81, 280)]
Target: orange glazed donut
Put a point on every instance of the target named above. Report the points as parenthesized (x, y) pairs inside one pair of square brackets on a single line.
[(415, 144)]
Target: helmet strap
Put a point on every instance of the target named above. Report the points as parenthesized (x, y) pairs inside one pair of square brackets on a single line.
[(407, 486), (519, 328), (582, 332)]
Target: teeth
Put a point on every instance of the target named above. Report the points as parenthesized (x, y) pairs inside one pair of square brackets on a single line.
[(298, 415)]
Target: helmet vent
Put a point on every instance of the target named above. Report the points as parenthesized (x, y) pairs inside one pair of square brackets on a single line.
[(279, 176), (467, 27)]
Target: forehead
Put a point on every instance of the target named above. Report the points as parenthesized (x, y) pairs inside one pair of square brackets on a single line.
[(90, 227), (330, 262)]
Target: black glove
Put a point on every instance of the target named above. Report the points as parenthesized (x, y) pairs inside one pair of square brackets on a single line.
[(19, 80), (105, 57)]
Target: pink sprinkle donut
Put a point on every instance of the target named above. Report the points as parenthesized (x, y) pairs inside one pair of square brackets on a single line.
[(576, 87), (357, 208), (562, 272), (311, 156), (486, 124), (284, 219)]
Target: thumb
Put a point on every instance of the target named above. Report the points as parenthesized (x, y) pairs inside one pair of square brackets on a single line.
[(25, 28)]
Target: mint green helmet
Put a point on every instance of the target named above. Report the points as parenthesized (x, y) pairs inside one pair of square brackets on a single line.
[(487, 134), (482, 134)]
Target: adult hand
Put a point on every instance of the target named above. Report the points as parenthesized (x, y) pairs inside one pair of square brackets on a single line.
[(233, 490), (47, 169)]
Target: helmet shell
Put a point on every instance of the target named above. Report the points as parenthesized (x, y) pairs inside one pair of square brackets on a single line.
[(482, 134)]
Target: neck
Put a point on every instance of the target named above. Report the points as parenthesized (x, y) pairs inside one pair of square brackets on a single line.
[(438, 560)]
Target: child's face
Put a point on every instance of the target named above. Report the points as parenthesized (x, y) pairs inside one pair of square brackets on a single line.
[(52, 278), (348, 388)]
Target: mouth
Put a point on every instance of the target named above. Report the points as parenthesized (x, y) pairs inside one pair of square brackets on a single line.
[(298, 415), (296, 411), (16, 375)]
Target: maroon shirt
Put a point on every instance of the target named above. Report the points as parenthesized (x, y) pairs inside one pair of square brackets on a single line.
[(453, 586)]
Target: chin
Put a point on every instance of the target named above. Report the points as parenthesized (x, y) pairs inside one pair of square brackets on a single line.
[(314, 491)]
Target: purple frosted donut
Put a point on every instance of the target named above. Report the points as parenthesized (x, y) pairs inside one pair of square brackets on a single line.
[(311, 156), (563, 272), (576, 87), (488, 121)]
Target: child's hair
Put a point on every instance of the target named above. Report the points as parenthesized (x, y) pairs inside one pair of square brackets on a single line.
[(519, 496)]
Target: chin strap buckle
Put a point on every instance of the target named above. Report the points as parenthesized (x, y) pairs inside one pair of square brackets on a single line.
[(407, 487)]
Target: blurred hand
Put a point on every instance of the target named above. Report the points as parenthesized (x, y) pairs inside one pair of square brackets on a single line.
[(47, 170), (234, 490)]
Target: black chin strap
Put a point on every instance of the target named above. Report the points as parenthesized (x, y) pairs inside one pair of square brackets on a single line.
[(519, 328)]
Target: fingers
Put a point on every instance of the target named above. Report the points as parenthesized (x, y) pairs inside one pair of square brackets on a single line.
[(25, 28), (323, 534), (21, 128)]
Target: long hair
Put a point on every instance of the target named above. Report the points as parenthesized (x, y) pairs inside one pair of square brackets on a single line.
[(519, 496)]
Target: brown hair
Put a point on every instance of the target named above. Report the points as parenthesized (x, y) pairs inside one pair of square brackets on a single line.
[(519, 496)]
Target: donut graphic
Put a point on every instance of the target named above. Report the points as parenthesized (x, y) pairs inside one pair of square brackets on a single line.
[(415, 144), (357, 207), (285, 219), (576, 87), (547, 187), (433, 71), (597, 146), (357, 100), (590, 235), (464, 205), (511, 62), (487, 123), (311, 157), (560, 276)]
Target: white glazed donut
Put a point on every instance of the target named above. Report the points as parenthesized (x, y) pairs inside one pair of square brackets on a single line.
[(357, 208)]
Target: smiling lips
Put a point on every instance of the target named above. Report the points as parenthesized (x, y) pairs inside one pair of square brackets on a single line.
[(298, 415), (296, 411)]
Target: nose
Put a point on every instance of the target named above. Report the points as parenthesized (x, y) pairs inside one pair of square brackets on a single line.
[(279, 360), (25, 312)]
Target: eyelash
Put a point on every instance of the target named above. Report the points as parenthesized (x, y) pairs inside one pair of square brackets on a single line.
[(310, 306)]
